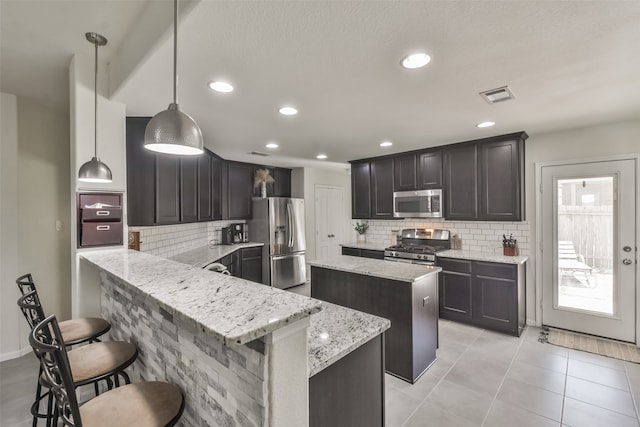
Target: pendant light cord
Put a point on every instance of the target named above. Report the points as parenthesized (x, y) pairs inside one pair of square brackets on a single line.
[(95, 102), (175, 51)]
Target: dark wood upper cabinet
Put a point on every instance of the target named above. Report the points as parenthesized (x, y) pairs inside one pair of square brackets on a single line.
[(167, 189), (205, 187), (429, 170), (461, 182), (240, 190), (189, 189), (360, 190), (382, 188), (282, 184), (405, 173), (501, 180), (216, 188), (141, 166)]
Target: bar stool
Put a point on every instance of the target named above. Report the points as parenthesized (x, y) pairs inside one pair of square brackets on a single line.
[(74, 331), (90, 363), (145, 404)]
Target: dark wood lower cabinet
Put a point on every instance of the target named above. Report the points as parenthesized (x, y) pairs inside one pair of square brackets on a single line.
[(410, 343), (486, 294), (350, 392), (252, 264)]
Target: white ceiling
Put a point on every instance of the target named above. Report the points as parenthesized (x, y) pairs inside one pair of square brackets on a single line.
[(570, 64)]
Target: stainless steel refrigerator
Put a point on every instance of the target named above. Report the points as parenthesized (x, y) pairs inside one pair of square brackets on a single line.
[(278, 222)]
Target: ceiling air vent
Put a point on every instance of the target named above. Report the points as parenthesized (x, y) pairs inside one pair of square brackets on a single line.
[(497, 95), (257, 153)]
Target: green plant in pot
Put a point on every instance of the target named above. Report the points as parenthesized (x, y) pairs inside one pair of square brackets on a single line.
[(361, 228)]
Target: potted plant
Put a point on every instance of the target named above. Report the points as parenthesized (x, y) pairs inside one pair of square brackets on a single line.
[(509, 246), (361, 229), (263, 177)]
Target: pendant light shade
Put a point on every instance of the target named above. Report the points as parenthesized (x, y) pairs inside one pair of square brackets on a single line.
[(94, 170), (171, 131)]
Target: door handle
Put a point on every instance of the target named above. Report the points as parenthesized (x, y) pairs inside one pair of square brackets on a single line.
[(627, 261), (331, 235), (425, 301), (627, 249)]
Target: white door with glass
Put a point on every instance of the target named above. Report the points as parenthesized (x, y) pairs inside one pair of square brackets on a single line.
[(589, 248), (329, 221)]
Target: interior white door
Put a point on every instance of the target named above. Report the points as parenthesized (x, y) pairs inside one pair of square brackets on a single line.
[(589, 248), (329, 221)]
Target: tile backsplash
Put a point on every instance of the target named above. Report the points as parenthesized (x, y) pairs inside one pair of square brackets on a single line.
[(169, 240), (476, 235)]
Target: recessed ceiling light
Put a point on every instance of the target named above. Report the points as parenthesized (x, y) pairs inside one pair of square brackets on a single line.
[(288, 111), (321, 156), (415, 60), (220, 86), (386, 144), (485, 124), (272, 145)]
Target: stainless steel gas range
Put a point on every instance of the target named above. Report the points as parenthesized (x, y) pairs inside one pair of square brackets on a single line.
[(419, 246)]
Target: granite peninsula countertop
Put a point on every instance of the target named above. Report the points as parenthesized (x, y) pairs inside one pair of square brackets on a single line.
[(392, 270), (233, 310), (481, 256), (373, 246), (337, 331), (205, 255)]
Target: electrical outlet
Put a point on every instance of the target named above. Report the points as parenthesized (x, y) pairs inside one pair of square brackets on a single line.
[(58, 225)]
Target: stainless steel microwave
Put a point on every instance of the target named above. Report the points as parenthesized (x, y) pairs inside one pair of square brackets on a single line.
[(417, 204)]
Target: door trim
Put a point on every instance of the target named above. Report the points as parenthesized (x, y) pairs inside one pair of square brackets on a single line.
[(538, 224)]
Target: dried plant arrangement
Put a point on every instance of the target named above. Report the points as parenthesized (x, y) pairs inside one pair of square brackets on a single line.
[(263, 176)]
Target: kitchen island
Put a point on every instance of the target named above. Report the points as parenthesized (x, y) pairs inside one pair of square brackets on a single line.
[(404, 293), (238, 350)]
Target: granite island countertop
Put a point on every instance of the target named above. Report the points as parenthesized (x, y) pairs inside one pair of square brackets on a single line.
[(337, 331), (205, 255), (233, 310), (482, 256), (392, 270)]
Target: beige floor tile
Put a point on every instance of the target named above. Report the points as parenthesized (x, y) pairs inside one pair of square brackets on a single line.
[(598, 374), (533, 399), (542, 359), (461, 401), (430, 414), (538, 377), (597, 359), (600, 395), (503, 414), (580, 414), (398, 406)]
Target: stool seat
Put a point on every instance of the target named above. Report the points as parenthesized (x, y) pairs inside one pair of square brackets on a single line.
[(75, 331), (145, 404), (101, 359)]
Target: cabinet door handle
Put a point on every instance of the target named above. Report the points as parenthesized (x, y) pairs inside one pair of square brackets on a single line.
[(425, 300), (103, 213), (103, 227)]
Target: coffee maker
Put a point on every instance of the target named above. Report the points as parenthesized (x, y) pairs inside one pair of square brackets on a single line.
[(240, 232)]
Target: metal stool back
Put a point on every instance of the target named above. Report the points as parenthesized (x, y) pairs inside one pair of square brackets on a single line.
[(47, 344)]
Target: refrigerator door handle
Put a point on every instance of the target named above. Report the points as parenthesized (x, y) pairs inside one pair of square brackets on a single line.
[(290, 224)]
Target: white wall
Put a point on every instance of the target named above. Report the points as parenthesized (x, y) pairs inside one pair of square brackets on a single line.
[(596, 141), (12, 341), (111, 150), (317, 176)]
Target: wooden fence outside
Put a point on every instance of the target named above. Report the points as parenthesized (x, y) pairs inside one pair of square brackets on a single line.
[(590, 228)]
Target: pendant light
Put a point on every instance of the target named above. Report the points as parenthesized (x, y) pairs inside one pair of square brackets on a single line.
[(171, 131), (94, 170)]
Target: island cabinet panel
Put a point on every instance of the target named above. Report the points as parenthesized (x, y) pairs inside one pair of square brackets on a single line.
[(350, 392), (360, 190), (351, 251), (188, 189), (404, 173), (429, 173), (460, 182), (410, 343), (382, 188), (486, 294)]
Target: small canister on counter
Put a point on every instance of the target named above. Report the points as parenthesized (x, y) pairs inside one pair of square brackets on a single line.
[(456, 242)]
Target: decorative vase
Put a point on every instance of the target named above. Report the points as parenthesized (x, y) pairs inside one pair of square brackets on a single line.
[(263, 190), (362, 238)]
